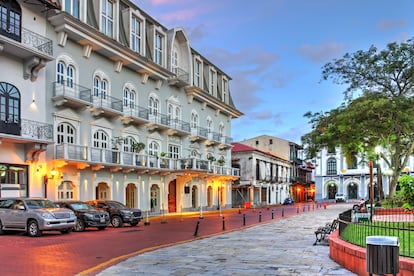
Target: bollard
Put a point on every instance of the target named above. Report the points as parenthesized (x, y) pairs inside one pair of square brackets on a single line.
[(283, 212), (224, 226), (297, 210), (244, 219), (260, 216), (303, 209), (147, 220), (308, 208), (273, 214), (196, 229)]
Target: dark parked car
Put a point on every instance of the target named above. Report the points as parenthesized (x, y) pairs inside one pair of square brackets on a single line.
[(87, 215), (288, 201), (118, 212), (34, 215)]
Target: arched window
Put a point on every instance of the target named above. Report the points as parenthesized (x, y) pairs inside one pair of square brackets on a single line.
[(129, 98), (174, 60), (100, 139), (209, 125), (154, 106), (154, 148), (221, 130), (9, 109), (10, 19), (65, 74), (194, 120), (65, 133), (331, 166), (128, 142), (100, 87), (65, 190)]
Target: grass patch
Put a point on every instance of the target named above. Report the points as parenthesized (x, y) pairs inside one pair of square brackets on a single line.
[(357, 233)]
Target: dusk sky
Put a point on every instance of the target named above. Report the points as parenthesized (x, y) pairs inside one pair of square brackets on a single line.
[(274, 50)]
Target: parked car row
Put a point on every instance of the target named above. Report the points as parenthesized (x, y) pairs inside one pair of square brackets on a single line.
[(35, 215)]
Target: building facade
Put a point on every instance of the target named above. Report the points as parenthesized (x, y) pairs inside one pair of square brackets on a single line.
[(333, 175), (25, 132), (301, 186), (264, 179), (137, 115)]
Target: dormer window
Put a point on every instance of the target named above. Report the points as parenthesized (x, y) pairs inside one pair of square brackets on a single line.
[(107, 17), (72, 7), (225, 90), (212, 81), (136, 34), (158, 49), (197, 73)]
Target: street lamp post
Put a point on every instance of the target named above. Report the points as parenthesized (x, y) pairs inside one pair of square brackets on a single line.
[(371, 189)]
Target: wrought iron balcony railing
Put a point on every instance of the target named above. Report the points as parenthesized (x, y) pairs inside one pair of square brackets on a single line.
[(37, 41)]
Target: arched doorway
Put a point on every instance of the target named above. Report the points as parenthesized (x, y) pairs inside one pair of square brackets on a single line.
[(353, 191), (155, 198), (131, 195), (102, 191), (172, 197), (194, 197), (332, 189), (209, 196)]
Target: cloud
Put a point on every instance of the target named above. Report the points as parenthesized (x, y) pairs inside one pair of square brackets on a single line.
[(386, 25), (323, 52)]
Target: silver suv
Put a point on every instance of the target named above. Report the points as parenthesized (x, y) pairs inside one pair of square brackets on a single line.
[(34, 215)]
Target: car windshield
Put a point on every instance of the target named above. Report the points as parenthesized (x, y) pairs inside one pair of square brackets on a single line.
[(80, 206), (116, 205), (39, 203)]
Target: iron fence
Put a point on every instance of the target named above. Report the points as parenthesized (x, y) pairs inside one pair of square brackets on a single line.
[(356, 224)]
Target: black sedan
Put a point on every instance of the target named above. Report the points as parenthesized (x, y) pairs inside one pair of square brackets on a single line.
[(87, 215)]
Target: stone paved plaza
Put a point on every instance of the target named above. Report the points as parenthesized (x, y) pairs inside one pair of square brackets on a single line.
[(280, 247)]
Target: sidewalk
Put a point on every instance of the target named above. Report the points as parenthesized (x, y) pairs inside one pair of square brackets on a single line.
[(280, 247)]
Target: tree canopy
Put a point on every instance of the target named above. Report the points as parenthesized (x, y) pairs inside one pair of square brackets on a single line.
[(378, 107)]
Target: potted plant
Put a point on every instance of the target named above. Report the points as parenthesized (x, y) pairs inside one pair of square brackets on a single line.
[(138, 147), (211, 158), (164, 160), (221, 161)]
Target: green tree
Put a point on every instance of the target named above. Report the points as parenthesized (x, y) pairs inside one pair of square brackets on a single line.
[(378, 108)]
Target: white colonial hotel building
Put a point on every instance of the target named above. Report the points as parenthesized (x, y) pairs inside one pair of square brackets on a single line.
[(73, 114)]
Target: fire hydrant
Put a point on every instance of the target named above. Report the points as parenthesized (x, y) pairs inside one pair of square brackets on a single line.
[(324, 206)]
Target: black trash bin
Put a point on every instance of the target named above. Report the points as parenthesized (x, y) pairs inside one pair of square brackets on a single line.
[(382, 255)]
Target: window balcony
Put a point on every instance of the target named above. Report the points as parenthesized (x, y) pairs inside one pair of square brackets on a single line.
[(171, 126), (27, 131), (106, 106), (98, 158), (135, 114), (180, 79), (71, 95), (34, 50)]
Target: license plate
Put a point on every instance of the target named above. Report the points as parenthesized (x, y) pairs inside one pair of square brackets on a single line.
[(102, 220)]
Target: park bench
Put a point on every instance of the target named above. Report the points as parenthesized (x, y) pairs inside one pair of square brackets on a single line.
[(323, 232)]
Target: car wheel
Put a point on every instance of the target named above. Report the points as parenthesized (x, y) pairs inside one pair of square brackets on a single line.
[(66, 231), (134, 223), (1, 229), (33, 229), (116, 221), (101, 227), (80, 225)]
